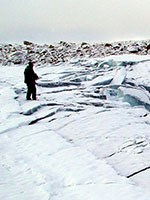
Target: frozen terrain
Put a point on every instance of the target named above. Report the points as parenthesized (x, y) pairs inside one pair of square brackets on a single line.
[(87, 137)]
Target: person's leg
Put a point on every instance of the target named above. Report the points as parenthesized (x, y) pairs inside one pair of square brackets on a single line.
[(33, 92), (29, 92)]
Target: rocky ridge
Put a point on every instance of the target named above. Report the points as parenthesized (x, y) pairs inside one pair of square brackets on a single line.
[(64, 51)]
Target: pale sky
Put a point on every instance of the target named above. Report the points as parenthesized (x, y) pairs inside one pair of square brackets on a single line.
[(48, 21)]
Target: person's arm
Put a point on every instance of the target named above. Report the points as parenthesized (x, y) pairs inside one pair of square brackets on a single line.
[(36, 76)]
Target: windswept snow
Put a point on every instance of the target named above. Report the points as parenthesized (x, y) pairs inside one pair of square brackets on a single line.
[(87, 137)]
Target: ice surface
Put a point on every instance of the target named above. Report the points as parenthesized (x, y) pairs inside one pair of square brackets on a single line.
[(72, 144), (119, 77)]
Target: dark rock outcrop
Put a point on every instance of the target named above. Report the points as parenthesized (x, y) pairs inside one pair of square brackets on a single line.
[(64, 51)]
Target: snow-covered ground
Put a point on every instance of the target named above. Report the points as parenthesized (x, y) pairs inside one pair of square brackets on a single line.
[(87, 137)]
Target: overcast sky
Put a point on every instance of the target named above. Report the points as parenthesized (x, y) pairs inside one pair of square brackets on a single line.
[(48, 21)]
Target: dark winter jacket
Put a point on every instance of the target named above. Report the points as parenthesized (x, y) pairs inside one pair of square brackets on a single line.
[(29, 75)]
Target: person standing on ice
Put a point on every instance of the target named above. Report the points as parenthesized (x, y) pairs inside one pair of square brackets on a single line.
[(30, 78)]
